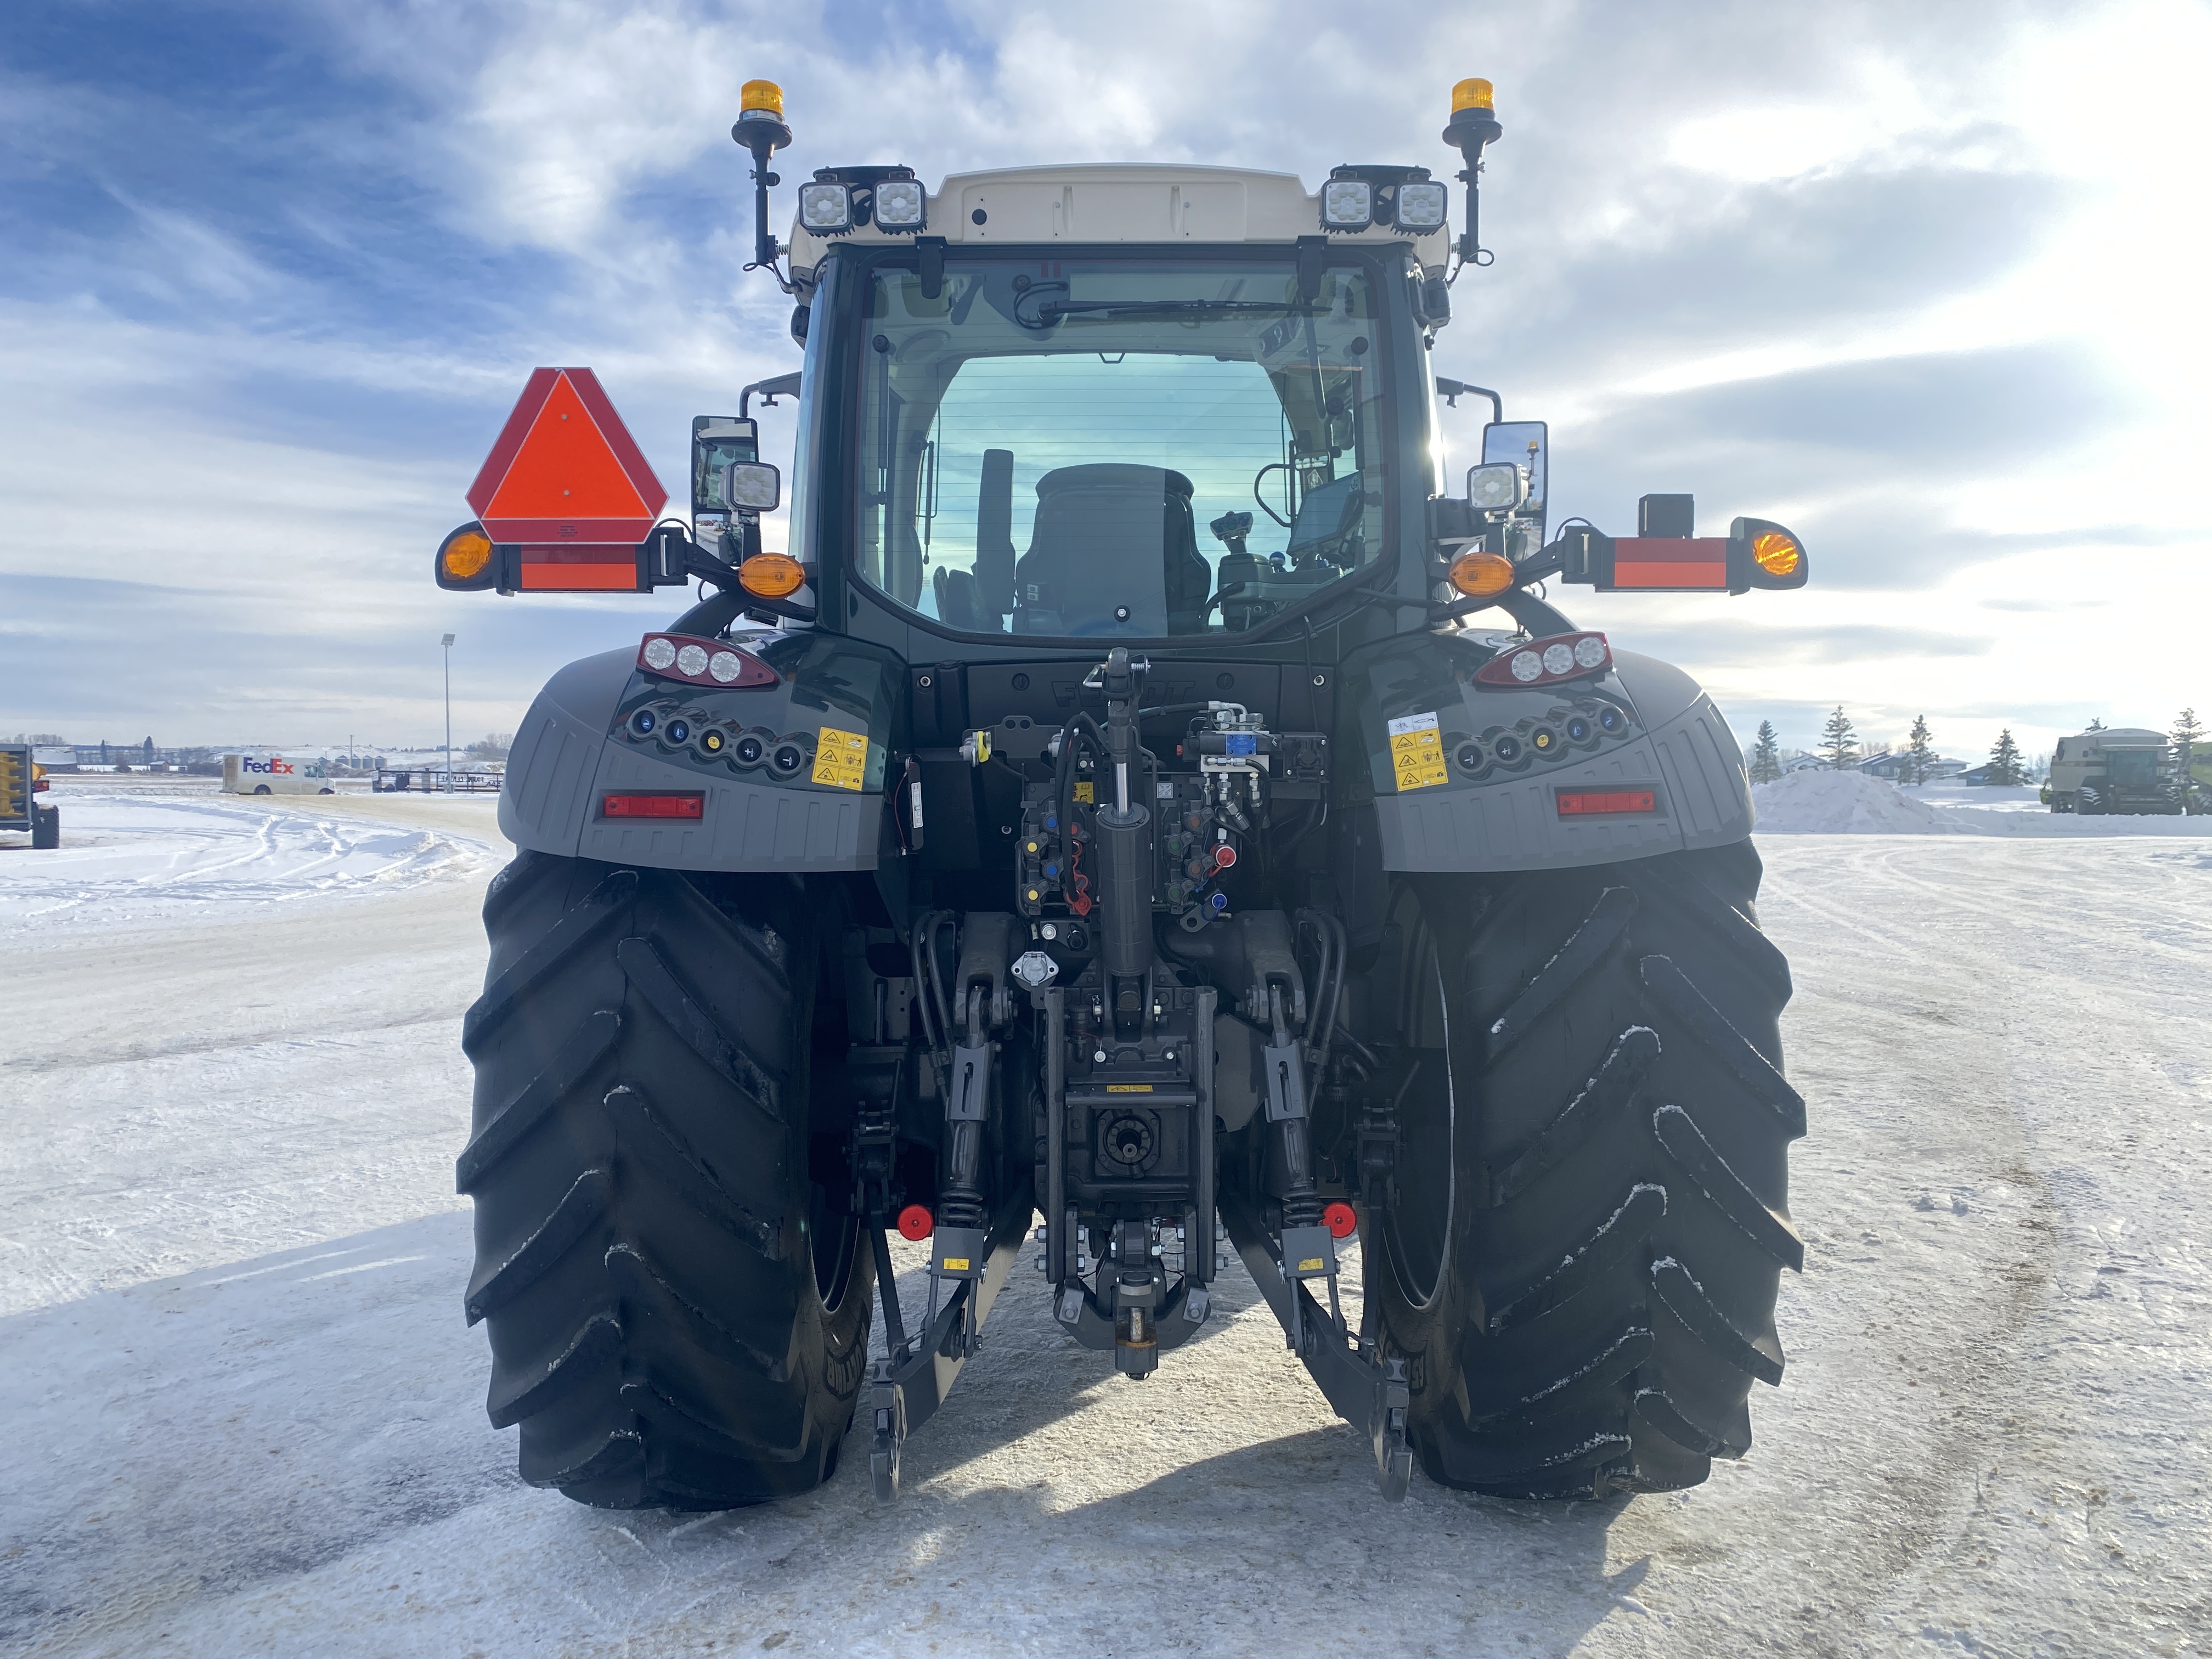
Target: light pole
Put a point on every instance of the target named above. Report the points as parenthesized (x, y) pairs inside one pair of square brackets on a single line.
[(448, 643)]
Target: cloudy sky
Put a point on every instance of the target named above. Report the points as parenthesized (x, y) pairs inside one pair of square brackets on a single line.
[(1926, 281)]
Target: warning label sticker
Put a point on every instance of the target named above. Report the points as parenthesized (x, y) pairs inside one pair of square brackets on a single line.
[(841, 758), (1417, 751)]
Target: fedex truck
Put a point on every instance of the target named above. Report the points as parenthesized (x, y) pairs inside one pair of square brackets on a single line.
[(273, 775)]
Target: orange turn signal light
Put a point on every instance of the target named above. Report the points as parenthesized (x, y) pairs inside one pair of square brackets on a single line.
[(1777, 554), (465, 554), (465, 558), (1479, 575), (772, 575)]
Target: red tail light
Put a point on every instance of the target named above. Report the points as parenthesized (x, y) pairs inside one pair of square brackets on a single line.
[(1605, 803), (1547, 661), (653, 806), (702, 662)]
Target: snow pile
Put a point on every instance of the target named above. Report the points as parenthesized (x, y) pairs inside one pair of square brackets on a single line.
[(135, 859), (1842, 804), (1852, 803)]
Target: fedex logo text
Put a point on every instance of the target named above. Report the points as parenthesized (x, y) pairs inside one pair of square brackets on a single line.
[(274, 764)]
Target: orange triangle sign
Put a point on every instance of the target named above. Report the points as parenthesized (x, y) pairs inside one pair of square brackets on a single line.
[(565, 469)]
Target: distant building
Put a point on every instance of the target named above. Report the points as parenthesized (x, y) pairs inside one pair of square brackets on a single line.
[(1890, 765)]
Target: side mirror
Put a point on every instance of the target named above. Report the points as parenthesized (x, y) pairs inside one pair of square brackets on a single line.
[(1522, 443), (717, 441)]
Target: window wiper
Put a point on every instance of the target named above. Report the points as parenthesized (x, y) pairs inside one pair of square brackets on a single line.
[(1051, 311)]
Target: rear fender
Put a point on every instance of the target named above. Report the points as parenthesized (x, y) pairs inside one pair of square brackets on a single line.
[(1479, 811), (580, 742)]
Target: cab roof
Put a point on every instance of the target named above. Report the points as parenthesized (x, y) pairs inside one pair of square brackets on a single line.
[(1096, 204)]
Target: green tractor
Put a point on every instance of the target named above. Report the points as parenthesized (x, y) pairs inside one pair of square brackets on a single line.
[(1148, 803)]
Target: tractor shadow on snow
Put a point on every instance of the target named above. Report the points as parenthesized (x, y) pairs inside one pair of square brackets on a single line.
[(187, 1439)]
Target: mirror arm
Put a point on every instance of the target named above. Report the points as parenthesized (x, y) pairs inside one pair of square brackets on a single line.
[(776, 386), (1452, 391)]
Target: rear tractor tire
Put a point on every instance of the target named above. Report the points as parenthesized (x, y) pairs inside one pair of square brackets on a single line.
[(678, 1316), (1581, 1264)]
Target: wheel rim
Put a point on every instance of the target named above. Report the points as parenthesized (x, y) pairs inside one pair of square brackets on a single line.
[(1419, 1224)]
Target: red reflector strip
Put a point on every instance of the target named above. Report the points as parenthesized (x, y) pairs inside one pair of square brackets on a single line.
[(652, 806), (1647, 574), (1596, 803), (591, 567), (1664, 562)]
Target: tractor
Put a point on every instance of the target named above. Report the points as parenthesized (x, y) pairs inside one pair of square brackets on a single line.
[(1147, 822)]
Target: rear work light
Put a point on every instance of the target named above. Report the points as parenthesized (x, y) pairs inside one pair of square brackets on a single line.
[(1547, 661), (658, 805), (702, 662), (1606, 803)]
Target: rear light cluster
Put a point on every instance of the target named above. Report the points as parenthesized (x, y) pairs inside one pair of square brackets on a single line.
[(702, 662), (1548, 661)]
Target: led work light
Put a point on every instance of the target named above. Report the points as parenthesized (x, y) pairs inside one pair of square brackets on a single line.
[(898, 205), (1420, 207), (1347, 204), (825, 209)]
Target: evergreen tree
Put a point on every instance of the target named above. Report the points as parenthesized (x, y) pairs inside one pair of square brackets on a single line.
[(2005, 766), (2187, 737), (1920, 756), (1838, 740), (1766, 754)]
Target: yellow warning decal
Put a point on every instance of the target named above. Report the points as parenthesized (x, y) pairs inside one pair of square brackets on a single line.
[(1128, 1088), (1417, 751), (1085, 793), (1312, 1264), (841, 758), (955, 1264)]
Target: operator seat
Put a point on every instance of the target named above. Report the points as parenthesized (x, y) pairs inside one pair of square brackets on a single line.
[(1111, 537)]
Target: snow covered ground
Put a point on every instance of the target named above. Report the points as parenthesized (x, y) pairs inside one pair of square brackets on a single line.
[(246, 1417), (166, 853), (1853, 803)]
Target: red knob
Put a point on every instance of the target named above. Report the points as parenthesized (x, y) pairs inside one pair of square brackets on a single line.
[(1340, 1220), (1224, 856), (917, 1224)]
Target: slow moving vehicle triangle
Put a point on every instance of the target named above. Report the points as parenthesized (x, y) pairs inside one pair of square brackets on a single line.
[(566, 467)]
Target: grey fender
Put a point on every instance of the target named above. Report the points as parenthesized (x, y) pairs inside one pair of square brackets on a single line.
[(555, 757), (1496, 818), (576, 745)]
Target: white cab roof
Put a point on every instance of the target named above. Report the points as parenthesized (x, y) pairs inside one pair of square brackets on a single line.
[(1142, 202)]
